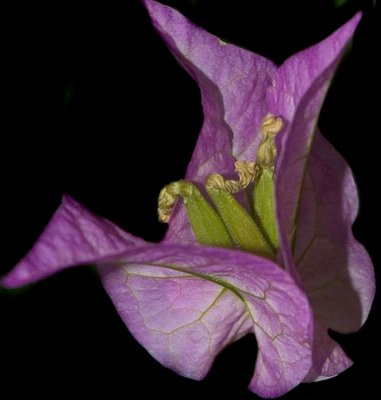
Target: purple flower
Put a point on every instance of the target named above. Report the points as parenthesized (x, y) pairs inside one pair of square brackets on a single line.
[(187, 298)]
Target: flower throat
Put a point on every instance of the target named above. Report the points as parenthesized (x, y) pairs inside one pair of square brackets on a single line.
[(228, 223)]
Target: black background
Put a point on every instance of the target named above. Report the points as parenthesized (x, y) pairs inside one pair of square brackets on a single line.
[(91, 96)]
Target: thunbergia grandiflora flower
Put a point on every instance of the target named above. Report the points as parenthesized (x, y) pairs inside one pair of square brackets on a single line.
[(259, 233)]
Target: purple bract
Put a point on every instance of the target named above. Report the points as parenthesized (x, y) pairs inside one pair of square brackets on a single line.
[(185, 302)]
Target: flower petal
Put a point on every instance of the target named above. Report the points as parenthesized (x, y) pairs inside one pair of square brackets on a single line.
[(297, 95), (341, 293), (335, 269), (73, 236), (295, 78), (185, 303), (233, 85), (328, 357)]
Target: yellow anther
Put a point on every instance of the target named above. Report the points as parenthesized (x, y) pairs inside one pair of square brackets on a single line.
[(207, 226), (168, 196), (166, 202), (267, 151), (271, 125), (246, 172)]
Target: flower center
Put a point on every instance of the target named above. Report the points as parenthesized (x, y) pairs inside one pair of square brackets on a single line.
[(229, 223)]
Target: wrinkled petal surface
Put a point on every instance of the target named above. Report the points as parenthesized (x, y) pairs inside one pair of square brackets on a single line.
[(317, 203), (186, 303), (236, 83), (297, 95), (74, 236), (233, 84), (335, 269)]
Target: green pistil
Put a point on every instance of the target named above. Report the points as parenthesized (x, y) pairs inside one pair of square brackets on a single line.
[(264, 206), (207, 225), (229, 224), (264, 189), (245, 232)]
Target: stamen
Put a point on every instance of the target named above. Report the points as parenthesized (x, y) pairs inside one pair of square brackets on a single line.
[(264, 189), (244, 231), (246, 171), (267, 151), (231, 225), (271, 125), (168, 196), (208, 227)]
